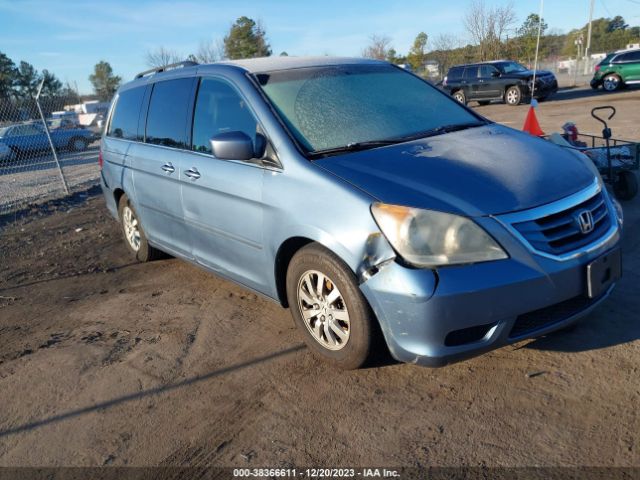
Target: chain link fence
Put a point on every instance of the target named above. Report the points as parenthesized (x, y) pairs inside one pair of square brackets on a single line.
[(48, 149), (572, 72)]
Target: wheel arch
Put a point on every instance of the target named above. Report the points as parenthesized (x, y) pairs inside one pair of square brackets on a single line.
[(285, 253), (117, 195)]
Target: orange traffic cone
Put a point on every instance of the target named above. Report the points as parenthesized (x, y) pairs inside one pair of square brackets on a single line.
[(531, 124)]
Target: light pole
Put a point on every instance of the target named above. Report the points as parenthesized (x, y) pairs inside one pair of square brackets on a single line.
[(578, 43), (587, 50)]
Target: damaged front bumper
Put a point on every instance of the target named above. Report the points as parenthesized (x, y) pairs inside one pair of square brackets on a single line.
[(437, 317)]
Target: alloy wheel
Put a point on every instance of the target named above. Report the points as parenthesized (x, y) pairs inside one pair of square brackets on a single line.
[(131, 230), (79, 145), (323, 310), (611, 83), (512, 96)]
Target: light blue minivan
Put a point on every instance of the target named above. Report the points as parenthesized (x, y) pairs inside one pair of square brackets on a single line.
[(364, 199)]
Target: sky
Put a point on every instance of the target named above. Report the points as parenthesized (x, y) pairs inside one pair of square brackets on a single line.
[(68, 37)]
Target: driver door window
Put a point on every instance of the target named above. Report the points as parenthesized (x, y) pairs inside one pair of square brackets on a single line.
[(219, 109)]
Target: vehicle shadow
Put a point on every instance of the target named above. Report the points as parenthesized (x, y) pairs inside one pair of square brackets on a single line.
[(147, 393)]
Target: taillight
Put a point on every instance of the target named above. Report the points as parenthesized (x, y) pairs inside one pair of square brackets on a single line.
[(100, 161), (597, 68)]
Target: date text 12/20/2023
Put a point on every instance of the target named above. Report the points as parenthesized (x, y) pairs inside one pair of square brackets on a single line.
[(315, 473)]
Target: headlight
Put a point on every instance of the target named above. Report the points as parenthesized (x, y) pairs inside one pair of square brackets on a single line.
[(427, 238)]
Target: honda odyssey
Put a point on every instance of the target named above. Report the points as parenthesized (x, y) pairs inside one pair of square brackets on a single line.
[(369, 202)]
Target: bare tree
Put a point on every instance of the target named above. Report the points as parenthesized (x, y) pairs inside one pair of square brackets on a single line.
[(161, 57), (378, 47), (488, 25), (210, 51), (443, 50)]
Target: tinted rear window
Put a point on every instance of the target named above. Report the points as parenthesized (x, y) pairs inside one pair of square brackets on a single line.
[(455, 73), (630, 57), (124, 122), (471, 73), (168, 113)]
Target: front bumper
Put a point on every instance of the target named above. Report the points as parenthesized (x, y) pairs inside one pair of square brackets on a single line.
[(547, 89), (434, 318)]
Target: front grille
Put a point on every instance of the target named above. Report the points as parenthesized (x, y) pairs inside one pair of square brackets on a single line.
[(560, 233), (537, 319)]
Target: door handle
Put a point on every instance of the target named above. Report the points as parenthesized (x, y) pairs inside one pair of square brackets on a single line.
[(168, 167), (193, 173)]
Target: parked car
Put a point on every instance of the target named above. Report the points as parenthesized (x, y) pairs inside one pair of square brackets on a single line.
[(366, 200), (498, 80), (6, 154), (27, 138), (616, 70)]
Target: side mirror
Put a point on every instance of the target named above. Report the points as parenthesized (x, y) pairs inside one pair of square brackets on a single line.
[(495, 74), (233, 145)]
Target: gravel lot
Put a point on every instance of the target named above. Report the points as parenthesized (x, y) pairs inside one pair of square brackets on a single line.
[(104, 361), (36, 178)]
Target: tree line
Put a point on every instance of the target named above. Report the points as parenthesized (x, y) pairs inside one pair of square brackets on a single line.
[(493, 33), (21, 81)]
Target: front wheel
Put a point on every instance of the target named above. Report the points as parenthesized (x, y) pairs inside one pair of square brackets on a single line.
[(329, 308), (513, 96), (78, 144)]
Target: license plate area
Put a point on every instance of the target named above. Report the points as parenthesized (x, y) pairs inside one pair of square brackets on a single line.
[(602, 272)]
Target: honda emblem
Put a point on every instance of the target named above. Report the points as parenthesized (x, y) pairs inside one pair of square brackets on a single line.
[(585, 221)]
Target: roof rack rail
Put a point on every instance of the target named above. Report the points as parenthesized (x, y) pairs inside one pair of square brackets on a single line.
[(186, 63)]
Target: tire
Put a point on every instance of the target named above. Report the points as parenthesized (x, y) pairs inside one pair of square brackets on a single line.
[(626, 185), (460, 96), (137, 244), (513, 96), (611, 82), (484, 103), (346, 311), (78, 144)]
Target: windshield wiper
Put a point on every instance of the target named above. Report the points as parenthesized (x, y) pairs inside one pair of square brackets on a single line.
[(358, 146), (454, 127), (354, 147)]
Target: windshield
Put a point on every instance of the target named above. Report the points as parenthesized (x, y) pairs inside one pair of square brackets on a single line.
[(338, 106), (510, 67)]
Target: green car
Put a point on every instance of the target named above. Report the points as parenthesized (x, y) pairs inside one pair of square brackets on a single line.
[(617, 69)]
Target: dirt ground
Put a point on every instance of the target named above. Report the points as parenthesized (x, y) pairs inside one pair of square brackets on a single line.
[(104, 361)]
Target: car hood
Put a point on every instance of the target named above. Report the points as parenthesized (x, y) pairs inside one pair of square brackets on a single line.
[(486, 170)]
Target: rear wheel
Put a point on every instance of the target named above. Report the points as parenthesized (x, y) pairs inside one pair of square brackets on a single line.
[(626, 185), (133, 232), (611, 83), (513, 96), (460, 96), (326, 304)]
